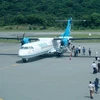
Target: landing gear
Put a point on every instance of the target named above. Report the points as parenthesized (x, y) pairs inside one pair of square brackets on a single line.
[(58, 54), (24, 60)]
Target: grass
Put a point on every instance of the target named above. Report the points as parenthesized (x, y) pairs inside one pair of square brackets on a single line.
[(9, 41)]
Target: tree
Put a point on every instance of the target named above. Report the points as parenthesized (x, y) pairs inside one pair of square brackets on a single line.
[(95, 19)]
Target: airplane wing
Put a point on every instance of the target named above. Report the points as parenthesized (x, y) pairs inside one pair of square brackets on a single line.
[(17, 38), (22, 40), (71, 38), (84, 38)]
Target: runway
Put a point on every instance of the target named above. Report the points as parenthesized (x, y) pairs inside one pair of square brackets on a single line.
[(46, 78)]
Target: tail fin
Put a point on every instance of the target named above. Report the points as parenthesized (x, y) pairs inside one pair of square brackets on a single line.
[(65, 41), (68, 28)]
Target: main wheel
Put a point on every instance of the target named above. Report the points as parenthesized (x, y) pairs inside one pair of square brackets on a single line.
[(58, 54)]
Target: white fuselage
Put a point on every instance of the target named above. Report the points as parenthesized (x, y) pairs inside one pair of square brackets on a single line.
[(33, 49)]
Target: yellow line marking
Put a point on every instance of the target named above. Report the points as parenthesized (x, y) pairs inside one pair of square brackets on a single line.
[(4, 68), (14, 64), (9, 66)]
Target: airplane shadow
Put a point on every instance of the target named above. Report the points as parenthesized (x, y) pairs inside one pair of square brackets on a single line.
[(45, 56), (51, 56), (37, 58)]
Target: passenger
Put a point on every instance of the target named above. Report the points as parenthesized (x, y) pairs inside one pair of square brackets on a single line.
[(73, 48), (96, 85), (98, 64), (96, 55), (74, 52), (91, 89), (79, 49), (83, 49), (94, 68), (89, 51)]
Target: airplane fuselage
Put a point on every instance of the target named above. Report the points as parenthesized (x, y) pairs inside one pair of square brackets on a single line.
[(33, 49)]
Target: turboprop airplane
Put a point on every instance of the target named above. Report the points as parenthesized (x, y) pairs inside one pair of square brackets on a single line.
[(57, 45)]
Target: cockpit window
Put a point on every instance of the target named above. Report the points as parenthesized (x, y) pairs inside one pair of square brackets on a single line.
[(30, 47), (25, 48)]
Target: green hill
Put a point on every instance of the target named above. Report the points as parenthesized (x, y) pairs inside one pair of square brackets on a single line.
[(44, 13)]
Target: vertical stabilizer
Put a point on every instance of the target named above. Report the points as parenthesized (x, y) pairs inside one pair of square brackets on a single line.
[(65, 41), (68, 28)]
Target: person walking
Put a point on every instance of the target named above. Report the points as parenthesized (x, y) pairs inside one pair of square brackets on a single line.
[(94, 66), (91, 89), (98, 64), (89, 51), (96, 55), (79, 49), (96, 85), (83, 49)]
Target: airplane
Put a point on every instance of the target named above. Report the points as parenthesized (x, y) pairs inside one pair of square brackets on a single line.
[(56, 45), (46, 45)]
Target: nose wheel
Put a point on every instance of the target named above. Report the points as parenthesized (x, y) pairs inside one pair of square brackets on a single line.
[(24, 60)]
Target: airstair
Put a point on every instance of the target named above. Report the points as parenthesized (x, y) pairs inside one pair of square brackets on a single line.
[(63, 49)]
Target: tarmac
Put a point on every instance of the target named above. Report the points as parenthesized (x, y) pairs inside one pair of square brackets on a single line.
[(46, 77)]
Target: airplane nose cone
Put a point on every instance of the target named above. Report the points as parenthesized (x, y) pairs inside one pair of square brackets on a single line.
[(22, 52)]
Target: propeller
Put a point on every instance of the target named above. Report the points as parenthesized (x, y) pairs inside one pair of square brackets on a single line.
[(71, 20), (23, 34)]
